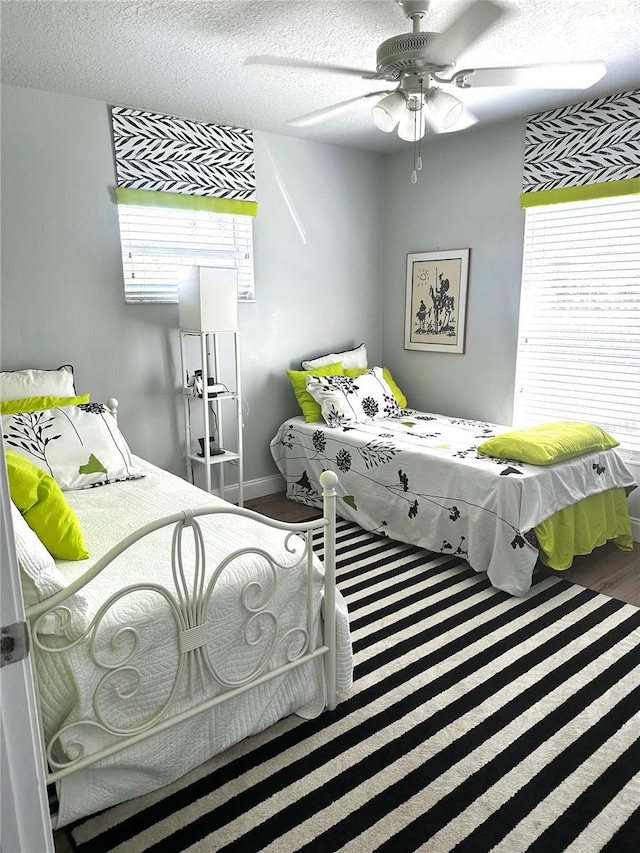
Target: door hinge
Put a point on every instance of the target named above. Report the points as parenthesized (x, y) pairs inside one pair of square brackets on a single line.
[(14, 643)]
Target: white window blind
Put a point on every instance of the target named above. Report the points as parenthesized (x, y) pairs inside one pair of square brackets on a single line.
[(157, 241), (579, 336)]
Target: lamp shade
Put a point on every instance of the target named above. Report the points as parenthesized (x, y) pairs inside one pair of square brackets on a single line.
[(208, 299), (445, 108), (412, 126), (386, 113)]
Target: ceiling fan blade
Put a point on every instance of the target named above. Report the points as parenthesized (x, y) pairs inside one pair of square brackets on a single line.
[(558, 75), (283, 62), (466, 29), (335, 109)]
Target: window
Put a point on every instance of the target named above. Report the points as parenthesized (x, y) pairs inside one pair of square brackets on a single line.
[(579, 336), (156, 241)]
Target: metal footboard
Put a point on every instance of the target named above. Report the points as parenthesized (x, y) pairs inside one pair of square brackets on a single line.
[(194, 586)]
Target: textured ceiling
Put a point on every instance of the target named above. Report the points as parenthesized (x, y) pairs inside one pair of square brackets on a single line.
[(185, 57)]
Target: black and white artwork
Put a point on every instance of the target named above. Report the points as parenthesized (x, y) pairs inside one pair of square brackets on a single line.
[(436, 300)]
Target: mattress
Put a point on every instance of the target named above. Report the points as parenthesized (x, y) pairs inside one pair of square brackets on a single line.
[(136, 644), (420, 479)]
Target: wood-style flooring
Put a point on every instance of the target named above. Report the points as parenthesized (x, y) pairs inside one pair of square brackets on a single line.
[(608, 570)]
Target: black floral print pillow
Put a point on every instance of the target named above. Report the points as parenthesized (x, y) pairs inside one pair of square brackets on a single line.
[(345, 400)]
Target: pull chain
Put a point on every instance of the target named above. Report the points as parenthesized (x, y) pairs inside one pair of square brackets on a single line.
[(417, 139), (414, 174), (419, 160)]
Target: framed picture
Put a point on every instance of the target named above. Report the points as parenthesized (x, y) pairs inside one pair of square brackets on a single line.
[(436, 300)]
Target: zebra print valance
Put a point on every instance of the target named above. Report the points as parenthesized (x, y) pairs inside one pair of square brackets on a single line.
[(589, 150), (167, 161)]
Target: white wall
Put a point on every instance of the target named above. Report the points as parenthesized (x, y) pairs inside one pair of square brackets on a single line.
[(317, 253)]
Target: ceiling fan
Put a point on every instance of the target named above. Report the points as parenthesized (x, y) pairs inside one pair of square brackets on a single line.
[(420, 62)]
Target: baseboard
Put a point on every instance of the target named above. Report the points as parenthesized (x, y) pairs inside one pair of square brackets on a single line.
[(635, 529), (255, 488)]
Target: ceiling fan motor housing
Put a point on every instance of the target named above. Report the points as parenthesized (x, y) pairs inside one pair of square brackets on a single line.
[(404, 53)]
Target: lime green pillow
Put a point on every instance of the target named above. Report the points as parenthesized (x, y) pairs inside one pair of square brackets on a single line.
[(36, 404), (548, 443), (310, 409), (401, 400), (45, 509)]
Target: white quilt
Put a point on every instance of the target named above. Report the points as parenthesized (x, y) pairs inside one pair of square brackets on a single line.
[(69, 680), (420, 479)]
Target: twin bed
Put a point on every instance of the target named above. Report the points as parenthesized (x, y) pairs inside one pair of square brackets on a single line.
[(190, 625), (451, 485)]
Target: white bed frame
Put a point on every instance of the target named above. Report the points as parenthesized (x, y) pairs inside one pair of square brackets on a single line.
[(188, 605)]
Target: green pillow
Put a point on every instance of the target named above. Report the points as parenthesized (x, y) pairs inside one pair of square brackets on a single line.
[(401, 400), (45, 509), (36, 404), (310, 409), (548, 443)]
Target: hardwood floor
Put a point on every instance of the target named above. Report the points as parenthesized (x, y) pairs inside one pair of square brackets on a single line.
[(61, 842), (608, 570)]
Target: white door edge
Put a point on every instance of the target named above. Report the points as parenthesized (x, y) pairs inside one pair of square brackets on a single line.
[(25, 826)]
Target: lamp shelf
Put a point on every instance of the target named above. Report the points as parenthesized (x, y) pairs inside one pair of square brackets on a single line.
[(208, 318), (199, 410)]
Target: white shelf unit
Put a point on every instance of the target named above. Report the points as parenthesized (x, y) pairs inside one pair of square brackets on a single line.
[(209, 357)]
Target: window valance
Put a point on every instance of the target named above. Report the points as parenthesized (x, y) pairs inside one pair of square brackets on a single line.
[(583, 151), (175, 162)]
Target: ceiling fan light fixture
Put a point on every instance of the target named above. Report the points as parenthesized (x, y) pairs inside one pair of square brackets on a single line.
[(446, 109), (419, 62), (387, 112), (412, 125)]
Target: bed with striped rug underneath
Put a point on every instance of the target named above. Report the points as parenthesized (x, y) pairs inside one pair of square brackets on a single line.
[(421, 478), (478, 721)]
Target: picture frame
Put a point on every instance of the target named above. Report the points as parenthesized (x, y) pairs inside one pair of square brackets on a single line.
[(436, 300)]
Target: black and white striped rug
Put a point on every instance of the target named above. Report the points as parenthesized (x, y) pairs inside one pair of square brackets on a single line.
[(477, 722)]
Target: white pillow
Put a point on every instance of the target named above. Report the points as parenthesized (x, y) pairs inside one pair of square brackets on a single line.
[(18, 384), (345, 400), (80, 446), (349, 359), (40, 578)]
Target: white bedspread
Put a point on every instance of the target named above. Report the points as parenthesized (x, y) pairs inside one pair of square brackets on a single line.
[(420, 479), (68, 680)]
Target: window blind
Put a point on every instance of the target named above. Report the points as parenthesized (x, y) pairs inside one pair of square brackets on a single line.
[(186, 195), (157, 241), (579, 335)]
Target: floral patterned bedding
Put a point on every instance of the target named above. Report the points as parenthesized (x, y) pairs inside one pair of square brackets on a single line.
[(419, 478)]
